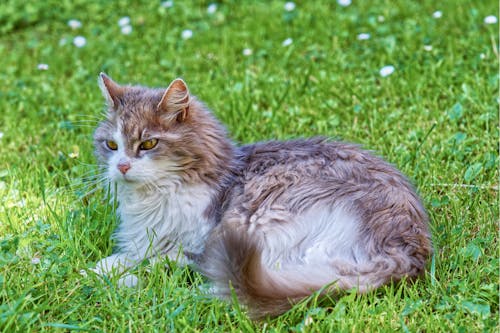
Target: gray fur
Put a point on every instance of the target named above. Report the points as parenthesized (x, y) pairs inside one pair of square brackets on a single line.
[(286, 218), (285, 179)]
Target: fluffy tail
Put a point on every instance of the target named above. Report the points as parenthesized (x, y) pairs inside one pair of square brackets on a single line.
[(234, 261)]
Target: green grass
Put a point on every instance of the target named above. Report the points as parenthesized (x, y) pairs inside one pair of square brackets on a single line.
[(435, 117)]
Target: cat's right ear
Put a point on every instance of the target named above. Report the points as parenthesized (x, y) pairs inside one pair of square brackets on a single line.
[(111, 90)]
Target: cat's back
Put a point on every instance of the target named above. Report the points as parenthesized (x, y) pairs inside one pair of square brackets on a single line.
[(300, 174), (317, 159)]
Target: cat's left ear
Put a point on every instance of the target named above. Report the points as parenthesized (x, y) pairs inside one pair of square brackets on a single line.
[(175, 100)]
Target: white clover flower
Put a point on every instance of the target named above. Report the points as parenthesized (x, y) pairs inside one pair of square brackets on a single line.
[(247, 52), (289, 6), (437, 14), (42, 67), (344, 3), (308, 321), (364, 36), (287, 42), (212, 8), (167, 4), (124, 21), (126, 29), (428, 48), (187, 34), (386, 70), (79, 41), (74, 24), (490, 19)]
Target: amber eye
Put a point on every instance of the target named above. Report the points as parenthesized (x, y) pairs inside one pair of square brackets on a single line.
[(111, 145), (149, 144)]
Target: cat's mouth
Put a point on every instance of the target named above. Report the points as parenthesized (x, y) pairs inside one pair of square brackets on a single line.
[(125, 179), (128, 179)]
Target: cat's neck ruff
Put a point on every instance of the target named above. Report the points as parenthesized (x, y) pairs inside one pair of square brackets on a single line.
[(161, 218)]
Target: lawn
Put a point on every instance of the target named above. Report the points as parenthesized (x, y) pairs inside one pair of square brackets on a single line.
[(415, 81)]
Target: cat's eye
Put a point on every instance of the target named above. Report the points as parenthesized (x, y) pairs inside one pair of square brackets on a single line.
[(149, 144), (111, 145)]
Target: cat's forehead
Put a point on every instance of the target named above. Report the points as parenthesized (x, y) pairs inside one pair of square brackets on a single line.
[(137, 111), (136, 125), (136, 99)]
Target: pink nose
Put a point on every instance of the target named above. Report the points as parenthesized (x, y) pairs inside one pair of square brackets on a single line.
[(124, 167)]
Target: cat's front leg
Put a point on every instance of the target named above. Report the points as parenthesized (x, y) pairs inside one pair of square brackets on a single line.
[(117, 264)]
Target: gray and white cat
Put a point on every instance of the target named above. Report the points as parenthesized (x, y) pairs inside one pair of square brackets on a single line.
[(274, 220)]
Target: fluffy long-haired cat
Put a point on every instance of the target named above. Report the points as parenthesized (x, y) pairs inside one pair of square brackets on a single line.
[(275, 221)]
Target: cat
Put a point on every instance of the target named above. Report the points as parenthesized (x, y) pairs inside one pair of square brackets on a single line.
[(274, 221)]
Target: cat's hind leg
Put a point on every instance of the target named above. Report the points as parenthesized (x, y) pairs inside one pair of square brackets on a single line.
[(275, 259)]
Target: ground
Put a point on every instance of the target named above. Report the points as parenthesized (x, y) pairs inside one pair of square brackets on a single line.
[(415, 81)]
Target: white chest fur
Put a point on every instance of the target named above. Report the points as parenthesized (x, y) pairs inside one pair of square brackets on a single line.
[(162, 221)]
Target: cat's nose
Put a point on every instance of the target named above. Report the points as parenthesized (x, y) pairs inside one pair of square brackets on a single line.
[(123, 167)]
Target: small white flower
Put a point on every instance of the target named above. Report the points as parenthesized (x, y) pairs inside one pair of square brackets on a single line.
[(42, 67), (212, 8), (289, 6), (437, 14), (386, 70), (481, 56), (35, 261), (186, 34), (364, 36), (126, 29), (247, 52), (287, 42), (74, 24), (428, 48), (167, 4), (344, 3), (79, 41), (124, 21), (1, 135), (491, 19)]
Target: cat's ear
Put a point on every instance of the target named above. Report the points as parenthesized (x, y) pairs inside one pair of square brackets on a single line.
[(111, 90), (175, 100)]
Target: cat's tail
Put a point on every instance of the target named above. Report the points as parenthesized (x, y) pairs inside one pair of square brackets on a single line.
[(234, 262)]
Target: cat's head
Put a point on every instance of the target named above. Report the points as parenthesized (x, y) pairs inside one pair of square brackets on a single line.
[(153, 136)]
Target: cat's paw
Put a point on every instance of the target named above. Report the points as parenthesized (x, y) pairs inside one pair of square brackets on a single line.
[(212, 290), (115, 264), (128, 280)]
